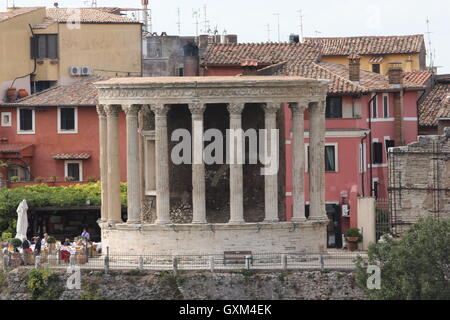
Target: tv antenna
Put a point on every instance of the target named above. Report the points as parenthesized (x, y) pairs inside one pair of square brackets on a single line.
[(195, 15), (317, 32), (430, 48), (278, 25), (206, 26), (179, 21), (300, 13), (268, 32)]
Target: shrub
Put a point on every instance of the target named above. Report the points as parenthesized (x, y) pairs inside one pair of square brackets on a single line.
[(16, 242), (6, 236), (52, 179), (43, 284), (90, 293), (416, 267), (353, 233), (51, 239), (39, 179), (14, 179)]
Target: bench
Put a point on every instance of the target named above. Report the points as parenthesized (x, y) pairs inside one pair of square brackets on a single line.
[(236, 257)]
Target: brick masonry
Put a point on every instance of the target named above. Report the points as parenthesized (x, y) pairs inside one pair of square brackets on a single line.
[(419, 178)]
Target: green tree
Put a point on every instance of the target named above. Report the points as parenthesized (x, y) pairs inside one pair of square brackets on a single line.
[(416, 267)]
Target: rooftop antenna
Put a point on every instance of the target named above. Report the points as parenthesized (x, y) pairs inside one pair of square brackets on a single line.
[(268, 32), (195, 16), (317, 32), (179, 21), (300, 13), (278, 24), (146, 16), (206, 26), (430, 48), (94, 3)]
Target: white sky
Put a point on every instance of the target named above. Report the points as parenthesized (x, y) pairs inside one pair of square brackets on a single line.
[(249, 18)]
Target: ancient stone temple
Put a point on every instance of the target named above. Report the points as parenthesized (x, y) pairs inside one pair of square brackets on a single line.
[(203, 206)]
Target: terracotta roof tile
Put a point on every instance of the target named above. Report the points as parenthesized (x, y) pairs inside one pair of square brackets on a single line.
[(87, 15), (81, 92), (300, 60), (369, 45), (17, 12), (436, 105), (13, 148), (263, 53), (72, 156), (419, 77)]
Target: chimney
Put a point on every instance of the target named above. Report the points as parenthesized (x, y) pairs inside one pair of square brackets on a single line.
[(354, 67), (395, 73), (294, 38), (191, 60), (56, 4), (249, 67)]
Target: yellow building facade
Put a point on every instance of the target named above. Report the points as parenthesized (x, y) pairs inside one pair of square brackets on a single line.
[(45, 48)]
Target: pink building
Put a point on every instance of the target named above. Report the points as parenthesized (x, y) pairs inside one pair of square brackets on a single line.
[(366, 114)]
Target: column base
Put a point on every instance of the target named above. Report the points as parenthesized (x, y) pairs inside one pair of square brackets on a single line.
[(298, 220), (319, 219), (134, 222)]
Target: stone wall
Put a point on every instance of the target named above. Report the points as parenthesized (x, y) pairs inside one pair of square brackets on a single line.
[(306, 285), (419, 180), (215, 239)]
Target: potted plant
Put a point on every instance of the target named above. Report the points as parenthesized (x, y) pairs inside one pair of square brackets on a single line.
[(353, 237), (52, 179), (16, 259), (51, 244), (14, 179), (39, 180)]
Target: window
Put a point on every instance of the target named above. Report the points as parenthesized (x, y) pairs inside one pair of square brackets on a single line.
[(44, 46), (19, 173), (376, 68), (377, 152), (331, 158), (386, 106), (334, 108), (25, 120), (6, 119), (73, 170), (180, 72), (375, 188), (375, 107), (389, 144), (67, 120)]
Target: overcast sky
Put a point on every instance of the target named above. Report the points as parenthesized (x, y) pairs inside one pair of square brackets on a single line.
[(249, 18)]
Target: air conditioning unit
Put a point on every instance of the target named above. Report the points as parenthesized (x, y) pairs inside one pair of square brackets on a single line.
[(345, 210), (86, 71), (75, 71)]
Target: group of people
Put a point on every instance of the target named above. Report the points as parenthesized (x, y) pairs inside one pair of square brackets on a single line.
[(37, 243)]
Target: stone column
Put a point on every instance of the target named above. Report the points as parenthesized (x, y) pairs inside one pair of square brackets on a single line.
[(114, 205), (271, 181), (162, 164), (317, 161), (103, 161), (198, 166), (298, 161), (133, 172), (236, 171)]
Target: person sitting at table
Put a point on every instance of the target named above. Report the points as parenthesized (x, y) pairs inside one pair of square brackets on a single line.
[(85, 234), (38, 244), (66, 242), (44, 240)]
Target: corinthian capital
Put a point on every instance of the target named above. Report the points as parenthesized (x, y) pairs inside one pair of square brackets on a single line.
[(160, 109), (197, 108), (131, 110), (235, 108), (271, 108), (112, 110), (101, 110)]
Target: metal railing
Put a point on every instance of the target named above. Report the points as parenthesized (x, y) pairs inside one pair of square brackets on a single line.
[(335, 260)]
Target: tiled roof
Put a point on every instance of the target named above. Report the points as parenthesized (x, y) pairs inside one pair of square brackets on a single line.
[(81, 92), (72, 156), (436, 105), (17, 12), (366, 45), (299, 60), (263, 53), (419, 77), (87, 15), (13, 148)]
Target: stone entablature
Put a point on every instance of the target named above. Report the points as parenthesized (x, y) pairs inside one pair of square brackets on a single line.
[(151, 161)]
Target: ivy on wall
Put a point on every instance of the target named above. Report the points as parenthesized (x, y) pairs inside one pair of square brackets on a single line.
[(42, 195)]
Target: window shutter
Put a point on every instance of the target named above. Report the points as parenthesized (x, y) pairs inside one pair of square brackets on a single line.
[(52, 46), (34, 45), (377, 152)]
